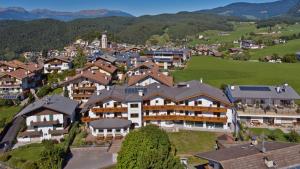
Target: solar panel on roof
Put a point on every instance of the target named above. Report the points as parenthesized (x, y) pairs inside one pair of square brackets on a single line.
[(255, 88)]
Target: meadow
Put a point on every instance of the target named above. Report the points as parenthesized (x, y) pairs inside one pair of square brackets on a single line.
[(216, 72)]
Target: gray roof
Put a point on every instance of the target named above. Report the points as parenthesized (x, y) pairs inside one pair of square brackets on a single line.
[(108, 58), (263, 92), (55, 102), (110, 123), (248, 156), (177, 93)]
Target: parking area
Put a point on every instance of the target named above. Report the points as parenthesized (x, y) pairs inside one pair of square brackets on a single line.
[(89, 158)]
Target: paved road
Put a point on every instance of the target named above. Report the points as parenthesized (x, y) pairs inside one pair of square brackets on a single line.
[(11, 133), (89, 158)]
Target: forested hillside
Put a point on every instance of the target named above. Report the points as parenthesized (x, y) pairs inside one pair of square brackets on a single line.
[(20, 36)]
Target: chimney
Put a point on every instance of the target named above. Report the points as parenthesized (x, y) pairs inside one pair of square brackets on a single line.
[(232, 87), (158, 86), (94, 72), (81, 72), (107, 88), (98, 92), (201, 80), (36, 65), (187, 85), (66, 78), (286, 84), (141, 92), (277, 89)]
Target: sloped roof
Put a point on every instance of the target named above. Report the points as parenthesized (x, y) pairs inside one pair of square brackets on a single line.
[(102, 65), (164, 79), (148, 64), (55, 102), (263, 92), (20, 74), (248, 156), (127, 93), (58, 58), (94, 76)]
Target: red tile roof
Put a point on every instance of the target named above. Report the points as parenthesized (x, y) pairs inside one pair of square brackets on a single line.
[(20, 74), (164, 79), (102, 65), (96, 76)]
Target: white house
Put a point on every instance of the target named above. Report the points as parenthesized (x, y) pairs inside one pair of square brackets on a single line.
[(187, 105), (47, 118), (56, 64)]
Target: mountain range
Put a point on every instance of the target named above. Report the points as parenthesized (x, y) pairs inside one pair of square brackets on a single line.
[(257, 10), (18, 13)]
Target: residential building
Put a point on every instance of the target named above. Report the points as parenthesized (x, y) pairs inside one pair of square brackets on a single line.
[(249, 44), (57, 64), (187, 105), (150, 77), (17, 78), (81, 86), (143, 68), (168, 58), (262, 104), (101, 66), (47, 118), (264, 155)]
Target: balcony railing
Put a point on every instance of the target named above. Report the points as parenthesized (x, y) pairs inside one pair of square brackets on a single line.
[(186, 108), (185, 118), (84, 88), (89, 119), (81, 95), (110, 109), (44, 123)]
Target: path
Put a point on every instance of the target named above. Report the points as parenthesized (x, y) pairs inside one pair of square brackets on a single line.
[(89, 158)]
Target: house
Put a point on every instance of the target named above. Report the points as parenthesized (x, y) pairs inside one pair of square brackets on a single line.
[(47, 118), (57, 64), (263, 104), (186, 105), (249, 44), (298, 55), (168, 58), (143, 68), (150, 77), (101, 66), (107, 58), (235, 50), (264, 155), (127, 59), (81, 86), (17, 78)]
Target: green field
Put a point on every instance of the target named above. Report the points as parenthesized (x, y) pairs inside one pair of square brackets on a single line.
[(217, 71), (189, 143), (7, 114), (291, 47)]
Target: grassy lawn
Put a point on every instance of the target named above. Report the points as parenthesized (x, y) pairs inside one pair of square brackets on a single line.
[(216, 72), (263, 131), (28, 152), (7, 113), (189, 143), (291, 47), (56, 91)]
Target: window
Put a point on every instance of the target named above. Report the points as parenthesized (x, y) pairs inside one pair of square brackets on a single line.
[(51, 117), (134, 105), (100, 130), (147, 112), (134, 115), (118, 130), (156, 101), (109, 130)]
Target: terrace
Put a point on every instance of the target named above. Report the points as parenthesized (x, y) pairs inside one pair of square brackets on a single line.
[(185, 118)]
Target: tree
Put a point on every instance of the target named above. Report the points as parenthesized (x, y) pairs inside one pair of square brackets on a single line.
[(291, 58), (147, 148), (51, 157), (293, 136), (79, 60)]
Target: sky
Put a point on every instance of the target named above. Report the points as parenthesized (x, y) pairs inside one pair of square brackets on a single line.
[(134, 7)]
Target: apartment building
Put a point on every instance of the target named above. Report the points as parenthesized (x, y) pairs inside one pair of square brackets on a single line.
[(81, 86), (47, 118), (17, 78), (101, 66), (265, 105), (188, 105)]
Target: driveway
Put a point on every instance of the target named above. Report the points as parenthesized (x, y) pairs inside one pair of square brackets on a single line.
[(89, 158)]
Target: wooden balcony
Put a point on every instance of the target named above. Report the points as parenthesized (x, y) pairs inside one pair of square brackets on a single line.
[(185, 118), (89, 119), (110, 109), (186, 108), (89, 88), (81, 95)]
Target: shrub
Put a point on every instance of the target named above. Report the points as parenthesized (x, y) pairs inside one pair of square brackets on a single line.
[(293, 136), (43, 91), (30, 165), (291, 58), (5, 157)]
